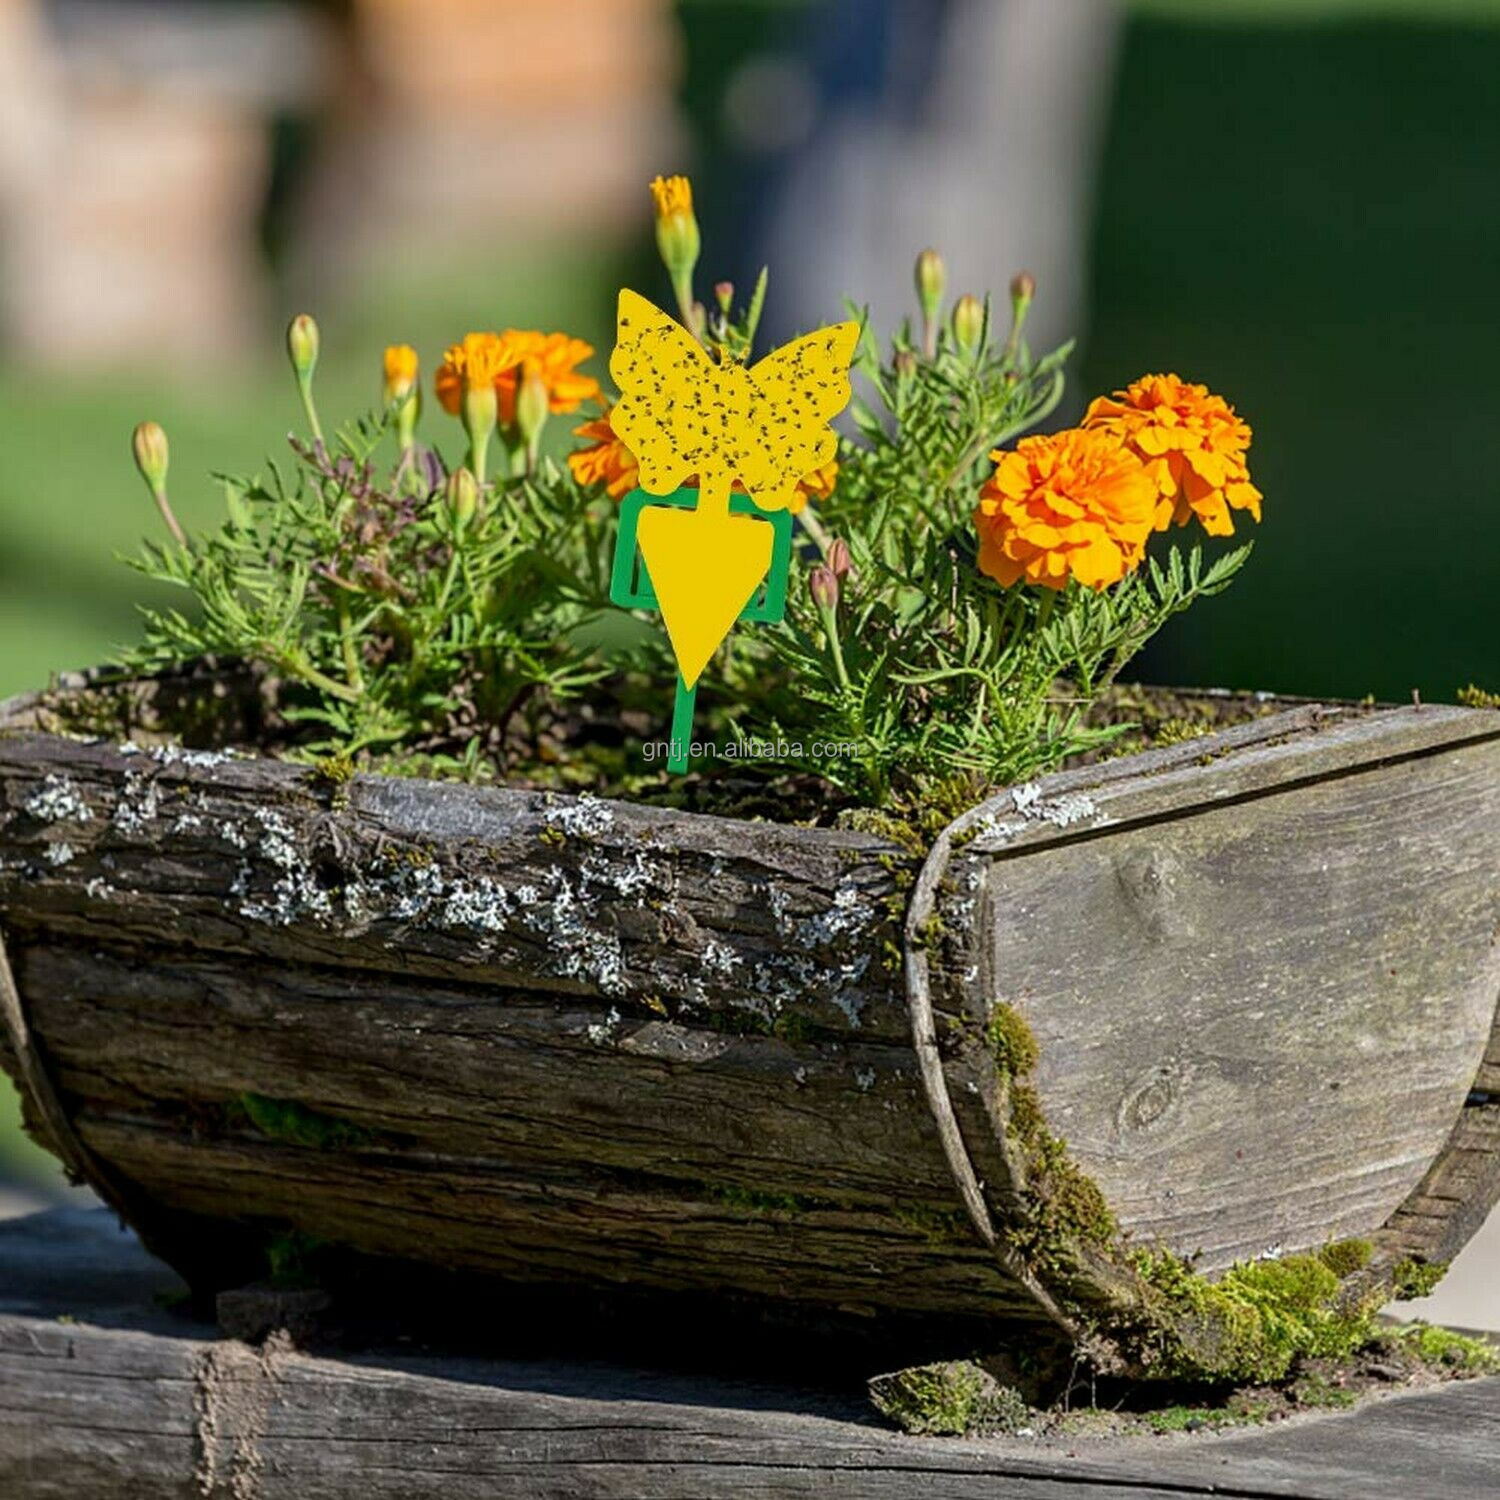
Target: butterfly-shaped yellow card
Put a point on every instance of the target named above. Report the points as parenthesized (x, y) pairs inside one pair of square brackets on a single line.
[(763, 428)]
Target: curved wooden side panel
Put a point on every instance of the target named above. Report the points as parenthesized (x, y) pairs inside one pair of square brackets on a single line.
[(1263, 994)]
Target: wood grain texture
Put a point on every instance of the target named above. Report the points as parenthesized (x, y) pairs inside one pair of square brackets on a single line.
[(573, 1040), (124, 1401)]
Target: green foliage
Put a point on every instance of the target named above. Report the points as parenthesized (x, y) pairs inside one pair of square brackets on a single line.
[(441, 630), (926, 665), (394, 622)]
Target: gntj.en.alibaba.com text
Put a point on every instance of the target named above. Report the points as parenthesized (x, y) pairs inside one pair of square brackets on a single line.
[(754, 749)]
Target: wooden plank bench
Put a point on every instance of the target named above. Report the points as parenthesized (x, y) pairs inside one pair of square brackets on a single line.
[(107, 1394)]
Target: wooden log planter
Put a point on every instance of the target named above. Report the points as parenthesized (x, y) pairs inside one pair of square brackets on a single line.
[(1250, 980)]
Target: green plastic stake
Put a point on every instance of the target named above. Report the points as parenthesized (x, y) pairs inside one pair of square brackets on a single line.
[(630, 588)]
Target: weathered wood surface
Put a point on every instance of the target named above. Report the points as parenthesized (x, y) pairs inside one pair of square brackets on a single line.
[(104, 1395), (598, 1042)]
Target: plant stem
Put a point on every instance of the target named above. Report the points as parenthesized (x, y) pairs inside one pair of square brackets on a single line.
[(167, 515), (351, 651), (304, 389)]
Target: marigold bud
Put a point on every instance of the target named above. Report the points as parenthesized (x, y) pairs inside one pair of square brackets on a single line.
[(837, 561), (401, 366), (931, 278), (532, 400), (302, 344), (149, 445), (904, 363), (677, 236), (823, 583), (724, 295), (968, 322), (462, 495), (1022, 290), (152, 454)]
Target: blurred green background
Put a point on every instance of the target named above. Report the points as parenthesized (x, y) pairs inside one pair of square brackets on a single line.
[(1297, 203)]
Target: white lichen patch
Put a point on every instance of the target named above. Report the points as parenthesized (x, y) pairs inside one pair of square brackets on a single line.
[(59, 854), (1027, 800), (138, 803), (865, 1079), (204, 760), (585, 817), (602, 1033), (57, 800)]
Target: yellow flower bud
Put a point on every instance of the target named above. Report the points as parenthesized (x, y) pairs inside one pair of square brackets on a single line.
[(402, 391), (401, 367), (152, 454), (302, 344), (149, 445), (931, 279), (724, 295), (462, 495), (968, 322), (1022, 290), (677, 238)]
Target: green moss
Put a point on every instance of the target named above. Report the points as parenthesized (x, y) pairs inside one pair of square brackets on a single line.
[(940, 1226), (1475, 696), (553, 838), (1178, 731), (294, 1124), (1446, 1350), (1012, 1042), (332, 772), (1255, 1320), (1411, 1278), (1198, 1418), (1345, 1257), (948, 1400), (1319, 1393), (752, 1201)]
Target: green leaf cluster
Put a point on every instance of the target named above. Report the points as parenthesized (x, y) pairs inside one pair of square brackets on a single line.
[(926, 665), (394, 621)]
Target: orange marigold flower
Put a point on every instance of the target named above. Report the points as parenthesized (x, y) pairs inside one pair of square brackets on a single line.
[(555, 355), (819, 484), (400, 371), (1077, 504), (605, 461), (1193, 445), (480, 360)]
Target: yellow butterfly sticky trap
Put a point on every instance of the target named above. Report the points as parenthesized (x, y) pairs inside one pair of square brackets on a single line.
[(710, 557)]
